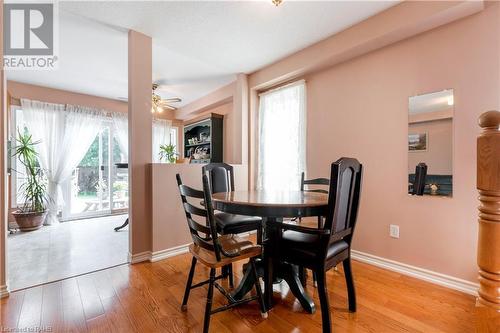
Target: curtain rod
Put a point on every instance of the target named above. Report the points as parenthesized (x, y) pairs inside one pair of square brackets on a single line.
[(107, 113), (282, 86)]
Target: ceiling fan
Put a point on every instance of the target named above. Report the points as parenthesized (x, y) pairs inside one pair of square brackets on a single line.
[(158, 104)]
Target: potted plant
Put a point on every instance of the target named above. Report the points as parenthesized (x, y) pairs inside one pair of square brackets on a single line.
[(168, 153), (31, 215), (120, 189)]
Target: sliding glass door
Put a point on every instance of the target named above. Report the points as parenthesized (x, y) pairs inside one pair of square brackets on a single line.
[(97, 186)]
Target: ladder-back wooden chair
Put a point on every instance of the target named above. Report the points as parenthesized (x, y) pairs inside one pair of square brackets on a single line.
[(221, 179), (312, 185), (316, 182), (214, 251)]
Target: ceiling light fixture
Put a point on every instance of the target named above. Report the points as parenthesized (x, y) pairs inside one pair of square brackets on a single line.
[(277, 2), (155, 101)]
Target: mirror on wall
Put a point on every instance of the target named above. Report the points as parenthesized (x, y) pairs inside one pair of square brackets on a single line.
[(430, 144)]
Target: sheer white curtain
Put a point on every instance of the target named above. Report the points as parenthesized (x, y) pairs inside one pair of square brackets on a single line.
[(161, 136), (282, 138), (65, 133), (120, 125)]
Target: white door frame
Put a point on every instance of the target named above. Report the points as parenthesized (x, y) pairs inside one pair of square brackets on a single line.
[(4, 291)]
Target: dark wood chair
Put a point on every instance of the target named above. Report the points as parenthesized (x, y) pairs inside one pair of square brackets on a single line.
[(221, 179), (420, 176), (305, 184), (323, 248), (214, 251)]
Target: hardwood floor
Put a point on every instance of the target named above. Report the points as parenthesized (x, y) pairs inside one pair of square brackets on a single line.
[(146, 297)]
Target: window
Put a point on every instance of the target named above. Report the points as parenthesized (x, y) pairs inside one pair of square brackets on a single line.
[(163, 134), (18, 176), (173, 138), (282, 138)]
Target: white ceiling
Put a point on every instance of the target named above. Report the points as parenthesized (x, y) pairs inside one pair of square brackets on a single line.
[(198, 46), (432, 102)]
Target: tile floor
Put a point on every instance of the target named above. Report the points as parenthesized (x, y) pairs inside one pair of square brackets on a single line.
[(68, 249)]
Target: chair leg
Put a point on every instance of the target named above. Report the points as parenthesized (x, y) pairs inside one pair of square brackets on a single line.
[(259, 236), (227, 272), (223, 271), (351, 292), (208, 307), (230, 275), (188, 285), (315, 280), (260, 296), (323, 299)]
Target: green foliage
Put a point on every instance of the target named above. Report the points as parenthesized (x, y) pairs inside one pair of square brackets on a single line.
[(34, 190), (120, 186), (91, 158), (168, 153)]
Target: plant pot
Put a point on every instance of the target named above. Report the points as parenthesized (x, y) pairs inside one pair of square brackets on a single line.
[(120, 194), (29, 221)]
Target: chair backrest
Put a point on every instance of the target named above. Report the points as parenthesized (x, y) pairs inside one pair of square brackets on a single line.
[(343, 199), (316, 181), (209, 239), (220, 177), (420, 175)]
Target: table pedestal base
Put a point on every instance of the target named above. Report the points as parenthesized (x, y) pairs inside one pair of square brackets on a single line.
[(122, 226), (287, 272)]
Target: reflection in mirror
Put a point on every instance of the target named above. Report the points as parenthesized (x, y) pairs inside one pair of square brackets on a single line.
[(430, 144)]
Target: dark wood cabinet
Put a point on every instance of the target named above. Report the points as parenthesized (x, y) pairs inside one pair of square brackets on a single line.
[(203, 140)]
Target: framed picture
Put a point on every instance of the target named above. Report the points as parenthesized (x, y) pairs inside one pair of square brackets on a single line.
[(417, 142)]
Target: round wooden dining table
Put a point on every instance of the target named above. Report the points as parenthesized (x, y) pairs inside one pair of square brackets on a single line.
[(273, 206)]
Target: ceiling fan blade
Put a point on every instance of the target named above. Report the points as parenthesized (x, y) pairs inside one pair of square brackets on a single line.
[(172, 100), (165, 102), (170, 107)]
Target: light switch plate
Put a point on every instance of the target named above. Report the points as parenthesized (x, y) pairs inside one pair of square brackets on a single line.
[(394, 231)]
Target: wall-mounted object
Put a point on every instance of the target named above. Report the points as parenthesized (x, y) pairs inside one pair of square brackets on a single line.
[(203, 140), (417, 142), (430, 143)]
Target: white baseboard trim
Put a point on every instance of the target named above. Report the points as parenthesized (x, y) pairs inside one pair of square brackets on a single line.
[(417, 272), (4, 291), (167, 253), (181, 249), (139, 257)]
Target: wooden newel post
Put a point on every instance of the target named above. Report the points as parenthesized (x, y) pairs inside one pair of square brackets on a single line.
[(488, 252)]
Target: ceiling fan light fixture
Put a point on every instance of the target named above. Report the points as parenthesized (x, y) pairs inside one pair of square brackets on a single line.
[(158, 104), (276, 2)]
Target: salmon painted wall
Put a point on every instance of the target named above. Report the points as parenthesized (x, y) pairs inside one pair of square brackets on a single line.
[(169, 226), (360, 108), (139, 142), (18, 90)]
